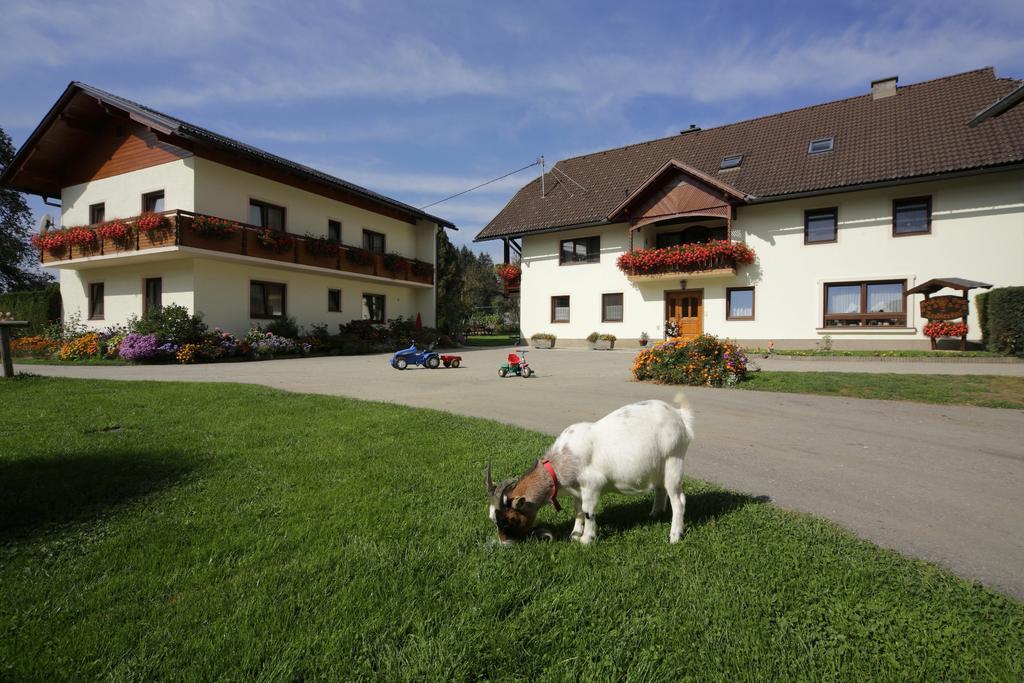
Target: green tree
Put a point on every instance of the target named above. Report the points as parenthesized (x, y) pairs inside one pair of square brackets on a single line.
[(452, 311), (18, 269)]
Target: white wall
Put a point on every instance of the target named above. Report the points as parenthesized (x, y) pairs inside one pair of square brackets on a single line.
[(123, 287), (977, 233), (222, 296), (225, 192), (122, 194)]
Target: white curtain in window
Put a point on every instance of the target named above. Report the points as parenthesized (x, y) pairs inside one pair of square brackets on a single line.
[(844, 299), (886, 298)]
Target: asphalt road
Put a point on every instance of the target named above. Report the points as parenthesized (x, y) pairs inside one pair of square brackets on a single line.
[(941, 483)]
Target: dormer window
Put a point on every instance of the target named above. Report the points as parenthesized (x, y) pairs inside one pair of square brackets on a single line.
[(821, 145), (732, 161)]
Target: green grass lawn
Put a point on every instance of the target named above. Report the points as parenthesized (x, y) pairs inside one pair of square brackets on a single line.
[(198, 532), (895, 353), (989, 391)]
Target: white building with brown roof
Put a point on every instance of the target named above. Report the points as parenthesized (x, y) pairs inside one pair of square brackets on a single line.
[(845, 205), (190, 217)]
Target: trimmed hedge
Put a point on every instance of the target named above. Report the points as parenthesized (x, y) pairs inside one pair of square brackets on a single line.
[(1003, 320), (39, 307)]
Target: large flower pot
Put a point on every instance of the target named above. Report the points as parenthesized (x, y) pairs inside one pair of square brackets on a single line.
[(543, 343), (604, 345)]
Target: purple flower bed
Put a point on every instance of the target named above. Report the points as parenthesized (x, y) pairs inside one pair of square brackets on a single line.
[(137, 347)]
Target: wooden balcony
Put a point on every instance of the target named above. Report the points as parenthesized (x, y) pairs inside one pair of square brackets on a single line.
[(179, 235)]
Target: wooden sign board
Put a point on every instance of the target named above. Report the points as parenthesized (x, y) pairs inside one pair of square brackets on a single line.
[(944, 307)]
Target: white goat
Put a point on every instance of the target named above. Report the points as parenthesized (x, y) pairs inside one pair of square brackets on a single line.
[(632, 450)]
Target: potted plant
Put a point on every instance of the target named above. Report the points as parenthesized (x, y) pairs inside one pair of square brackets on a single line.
[(117, 235), (605, 342), (214, 228), (643, 339), (154, 230), (592, 340), (543, 340)]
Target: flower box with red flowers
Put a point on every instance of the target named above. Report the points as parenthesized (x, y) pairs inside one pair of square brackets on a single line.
[(53, 243), (116, 234), (152, 222), (717, 255), (944, 328), (212, 227), (509, 272), (275, 240)]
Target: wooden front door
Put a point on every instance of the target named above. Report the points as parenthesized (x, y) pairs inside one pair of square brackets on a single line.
[(686, 310)]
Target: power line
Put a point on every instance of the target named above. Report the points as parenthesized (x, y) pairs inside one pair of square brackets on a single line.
[(477, 187)]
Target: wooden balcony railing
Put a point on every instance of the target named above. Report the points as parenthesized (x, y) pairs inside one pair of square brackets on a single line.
[(243, 240)]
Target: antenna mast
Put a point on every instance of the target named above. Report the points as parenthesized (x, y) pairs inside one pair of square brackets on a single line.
[(542, 192)]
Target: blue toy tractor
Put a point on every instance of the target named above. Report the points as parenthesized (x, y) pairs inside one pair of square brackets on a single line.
[(413, 356)]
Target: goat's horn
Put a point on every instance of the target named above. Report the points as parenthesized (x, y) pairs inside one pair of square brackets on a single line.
[(490, 484)]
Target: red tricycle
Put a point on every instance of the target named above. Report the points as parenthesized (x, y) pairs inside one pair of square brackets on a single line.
[(516, 365)]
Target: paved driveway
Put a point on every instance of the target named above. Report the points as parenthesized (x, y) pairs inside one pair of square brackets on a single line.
[(943, 483)]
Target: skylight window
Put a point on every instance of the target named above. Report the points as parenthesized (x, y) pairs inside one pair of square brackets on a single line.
[(821, 145), (732, 161)]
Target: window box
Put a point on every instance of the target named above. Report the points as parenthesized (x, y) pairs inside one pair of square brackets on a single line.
[(714, 259)]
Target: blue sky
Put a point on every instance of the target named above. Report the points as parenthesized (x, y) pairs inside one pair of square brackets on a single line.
[(421, 100)]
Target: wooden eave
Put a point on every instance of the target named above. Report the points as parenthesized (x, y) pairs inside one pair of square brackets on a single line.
[(730, 195)]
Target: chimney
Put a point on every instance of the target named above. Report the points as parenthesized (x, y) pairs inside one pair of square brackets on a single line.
[(884, 87), (694, 128)]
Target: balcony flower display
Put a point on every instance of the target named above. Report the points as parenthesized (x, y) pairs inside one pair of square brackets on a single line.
[(50, 241), (686, 258), (275, 240), (945, 328), (214, 228), (117, 230), (422, 268), (321, 246), (394, 263), (81, 236), (152, 222), (360, 257)]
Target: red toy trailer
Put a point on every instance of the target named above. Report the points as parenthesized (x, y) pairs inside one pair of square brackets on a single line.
[(451, 361)]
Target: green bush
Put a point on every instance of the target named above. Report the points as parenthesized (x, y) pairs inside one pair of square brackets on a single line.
[(39, 307), (283, 327), (703, 361), (171, 324), (1004, 320)]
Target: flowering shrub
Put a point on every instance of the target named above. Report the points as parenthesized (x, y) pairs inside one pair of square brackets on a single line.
[(116, 230), (276, 240), (36, 346), (509, 272), (112, 349), (686, 258), (86, 346), (267, 344), (152, 222), (944, 328), (360, 257), (214, 228), (703, 361), (137, 347), (321, 246), (187, 353)]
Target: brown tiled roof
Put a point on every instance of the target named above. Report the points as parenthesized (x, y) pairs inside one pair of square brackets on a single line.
[(920, 131)]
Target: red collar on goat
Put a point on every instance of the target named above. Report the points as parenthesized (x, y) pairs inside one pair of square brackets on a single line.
[(554, 484)]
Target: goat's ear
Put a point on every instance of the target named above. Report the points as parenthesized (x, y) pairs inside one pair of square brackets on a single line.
[(519, 503)]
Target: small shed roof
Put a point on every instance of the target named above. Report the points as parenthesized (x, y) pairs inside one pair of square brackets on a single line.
[(938, 283)]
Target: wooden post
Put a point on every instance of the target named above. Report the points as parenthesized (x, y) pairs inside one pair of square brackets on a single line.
[(5, 343), (967, 314)]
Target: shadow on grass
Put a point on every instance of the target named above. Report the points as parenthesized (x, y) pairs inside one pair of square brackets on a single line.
[(624, 514), (40, 491)]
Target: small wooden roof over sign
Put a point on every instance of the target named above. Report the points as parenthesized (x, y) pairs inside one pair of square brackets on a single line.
[(938, 283)]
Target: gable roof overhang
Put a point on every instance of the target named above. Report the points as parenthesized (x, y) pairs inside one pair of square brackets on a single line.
[(677, 190), (79, 113)]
